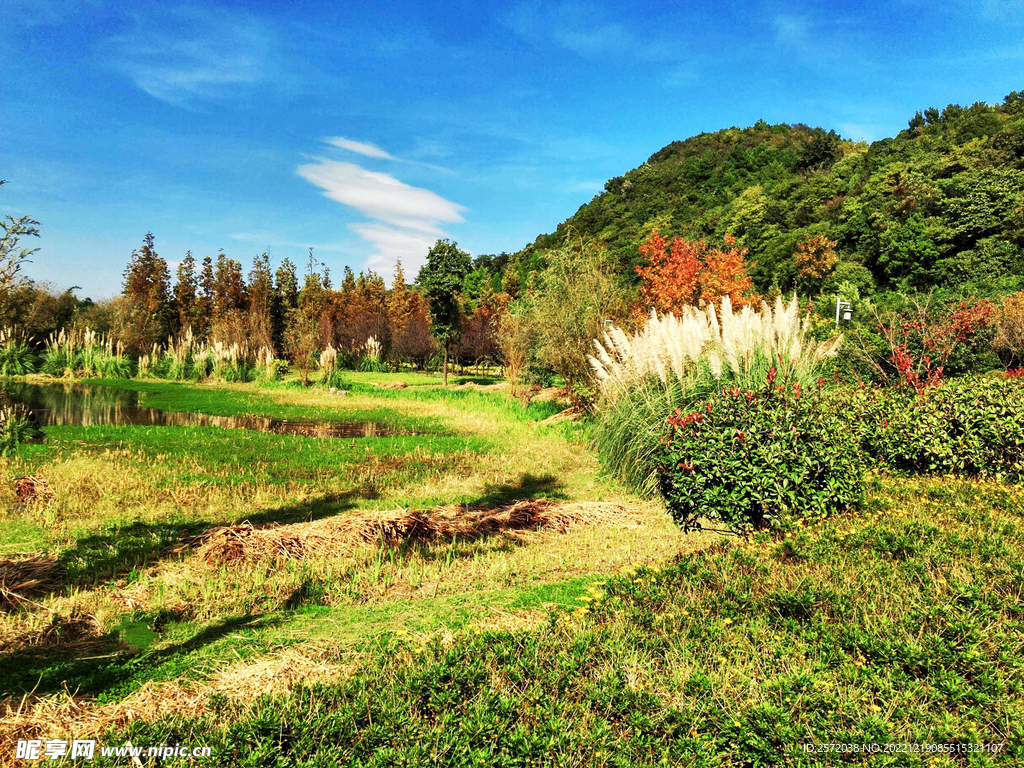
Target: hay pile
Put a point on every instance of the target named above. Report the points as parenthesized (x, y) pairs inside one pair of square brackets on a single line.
[(21, 580), (338, 535), (32, 489)]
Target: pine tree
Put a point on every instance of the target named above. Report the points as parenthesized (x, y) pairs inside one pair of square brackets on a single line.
[(204, 301), (286, 299), (146, 315), (260, 303), (185, 294)]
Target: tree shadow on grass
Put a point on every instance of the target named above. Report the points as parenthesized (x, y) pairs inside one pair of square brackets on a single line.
[(105, 666), (528, 486), (117, 551)]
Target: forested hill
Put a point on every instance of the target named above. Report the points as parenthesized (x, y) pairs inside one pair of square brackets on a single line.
[(940, 204)]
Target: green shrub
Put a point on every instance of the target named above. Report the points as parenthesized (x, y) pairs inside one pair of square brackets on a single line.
[(677, 362), (372, 365), (969, 426), (751, 459), (16, 427), (16, 360), (333, 379)]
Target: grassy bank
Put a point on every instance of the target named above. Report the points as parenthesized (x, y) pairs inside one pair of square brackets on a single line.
[(616, 642), (898, 625), (116, 536)]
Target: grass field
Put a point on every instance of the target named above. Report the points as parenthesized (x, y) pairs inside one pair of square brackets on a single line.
[(620, 642)]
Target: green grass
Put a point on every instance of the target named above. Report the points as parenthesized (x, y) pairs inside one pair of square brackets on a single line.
[(899, 625), (609, 645), (127, 499)]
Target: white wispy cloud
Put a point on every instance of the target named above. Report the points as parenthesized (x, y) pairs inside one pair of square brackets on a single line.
[(391, 244), (406, 220), (360, 147), (186, 54), (367, 149), (583, 28), (380, 195)]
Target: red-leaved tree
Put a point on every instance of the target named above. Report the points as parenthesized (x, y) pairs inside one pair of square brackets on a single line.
[(688, 272)]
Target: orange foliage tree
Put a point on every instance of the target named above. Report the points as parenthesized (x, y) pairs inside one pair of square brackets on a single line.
[(688, 272)]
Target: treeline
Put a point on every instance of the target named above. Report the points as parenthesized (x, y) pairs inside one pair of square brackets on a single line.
[(940, 206), (294, 315)]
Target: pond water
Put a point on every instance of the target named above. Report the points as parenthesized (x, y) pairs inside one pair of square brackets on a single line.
[(95, 405)]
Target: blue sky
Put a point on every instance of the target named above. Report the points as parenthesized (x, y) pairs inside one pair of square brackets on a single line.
[(367, 130)]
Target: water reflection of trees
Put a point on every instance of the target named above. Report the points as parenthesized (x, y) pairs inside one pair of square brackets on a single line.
[(73, 404)]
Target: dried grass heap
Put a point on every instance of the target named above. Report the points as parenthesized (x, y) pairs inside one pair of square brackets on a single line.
[(24, 579), (336, 536)]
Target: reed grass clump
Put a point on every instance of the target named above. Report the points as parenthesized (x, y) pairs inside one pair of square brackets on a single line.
[(85, 352), (268, 368), (330, 373), (675, 362), (229, 362), (16, 356), (179, 358), (373, 359), (16, 427)]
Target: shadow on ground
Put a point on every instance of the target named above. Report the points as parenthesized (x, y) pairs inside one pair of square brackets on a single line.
[(105, 666)]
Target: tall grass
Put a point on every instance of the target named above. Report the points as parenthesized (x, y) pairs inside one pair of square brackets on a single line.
[(16, 427), (85, 352), (330, 375), (372, 357), (268, 368), (16, 356), (675, 362), (183, 358)]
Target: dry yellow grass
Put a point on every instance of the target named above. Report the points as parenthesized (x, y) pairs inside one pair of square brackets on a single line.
[(68, 715)]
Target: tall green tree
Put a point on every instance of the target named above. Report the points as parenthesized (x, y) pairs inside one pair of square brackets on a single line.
[(259, 312), (204, 299), (228, 287), (441, 280), (286, 298)]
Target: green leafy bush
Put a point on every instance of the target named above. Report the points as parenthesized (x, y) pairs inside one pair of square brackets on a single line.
[(752, 459), (16, 357), (16, 427), (968, 426)]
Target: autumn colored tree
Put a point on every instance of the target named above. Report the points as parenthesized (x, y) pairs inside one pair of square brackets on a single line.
[(689, 272), (146, 309), (185, 293), (725, 274), (478, 341), (303, 332), (368, 311), (670, 279), (815, 258)]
